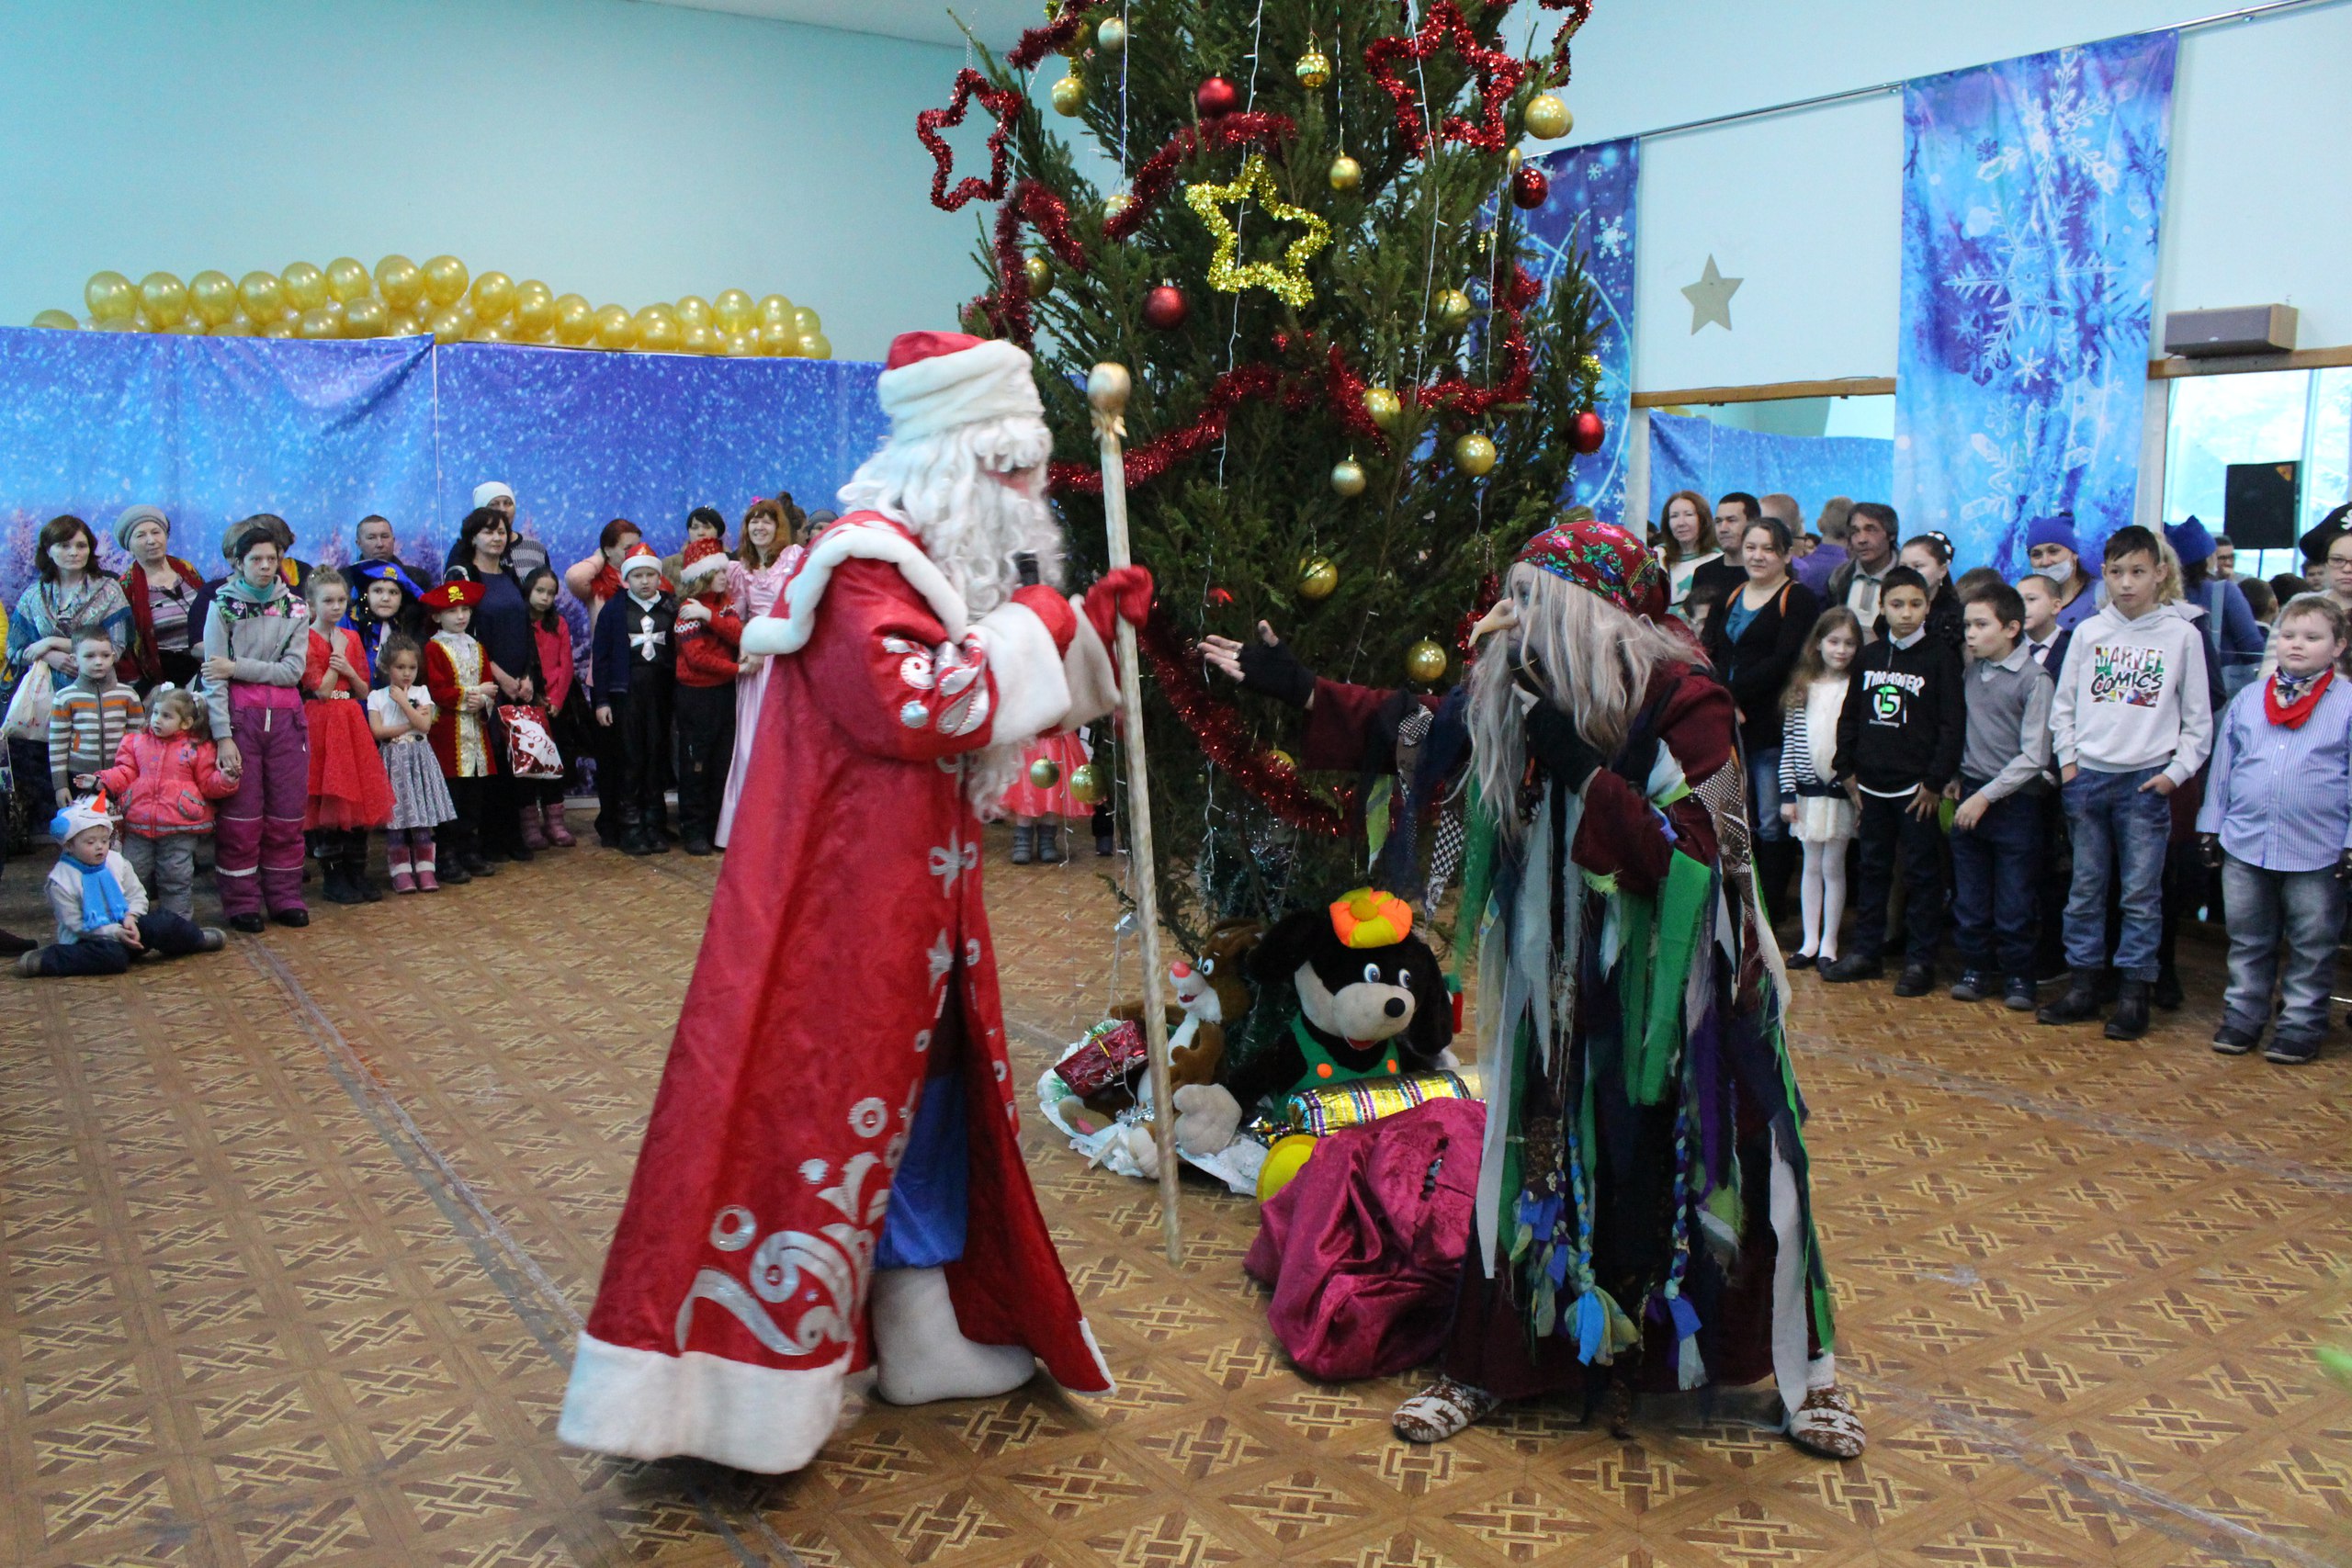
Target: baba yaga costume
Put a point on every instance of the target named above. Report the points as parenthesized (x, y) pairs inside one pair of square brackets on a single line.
[(830, 1176), (1643, 1203)]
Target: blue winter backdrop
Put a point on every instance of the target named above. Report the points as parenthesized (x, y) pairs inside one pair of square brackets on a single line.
[(2032, 190), (1590, 213), (216, 429), (1687, 453)]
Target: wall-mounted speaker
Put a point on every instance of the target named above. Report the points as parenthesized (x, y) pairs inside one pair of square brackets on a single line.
[(2240, 329)]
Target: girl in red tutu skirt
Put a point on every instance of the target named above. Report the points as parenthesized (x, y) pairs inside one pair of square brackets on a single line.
[(349, 792), (1037, 810)]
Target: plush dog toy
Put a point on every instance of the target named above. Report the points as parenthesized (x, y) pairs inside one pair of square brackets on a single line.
[(1371, 1003), (1211, 993)]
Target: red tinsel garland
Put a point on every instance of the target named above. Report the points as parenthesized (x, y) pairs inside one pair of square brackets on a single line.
[(1457, 395), (1158, 173), (1039, 42), (1004, 103), (1216, 727), (1579, 11), (1147, 461), (1500, 73)]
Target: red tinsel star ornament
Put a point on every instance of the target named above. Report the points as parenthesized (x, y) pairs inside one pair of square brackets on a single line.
[(1499, 73), (1004, 103)]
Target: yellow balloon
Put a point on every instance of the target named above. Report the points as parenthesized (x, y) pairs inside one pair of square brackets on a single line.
[(306, 285), (815, 345), (776, 310), (110, 296), (212, 297), (347, 279), (698, 339), (806, 319), (448, 325), (365, 317), (130, 324), (733, 311), (487, 332), (445, 280), (263, 296), (57, 320), (657, 329), (693, 311), (187, 326), (739, 345), (493, 296), (163, 299), (321, 321), (236, 326), (401, 281), (575, 321), (281, 328), (616, 328), (533, 307)]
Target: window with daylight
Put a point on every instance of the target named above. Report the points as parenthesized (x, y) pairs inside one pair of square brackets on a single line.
[(2274, 418)]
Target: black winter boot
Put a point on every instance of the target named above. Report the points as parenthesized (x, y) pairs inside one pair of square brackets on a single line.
[(2130, 1019), (2078, 1004)]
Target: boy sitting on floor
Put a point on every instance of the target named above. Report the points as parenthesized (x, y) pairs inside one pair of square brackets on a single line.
[(103, 921)]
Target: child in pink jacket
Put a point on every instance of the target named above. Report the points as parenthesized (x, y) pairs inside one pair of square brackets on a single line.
[(166, 780)]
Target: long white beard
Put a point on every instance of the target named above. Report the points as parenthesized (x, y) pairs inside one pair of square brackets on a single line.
[(973, 527)]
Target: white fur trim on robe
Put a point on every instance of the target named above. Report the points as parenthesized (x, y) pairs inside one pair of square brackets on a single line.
[(1094, 680), (789, 632), (644, 1405), (1032, 694)]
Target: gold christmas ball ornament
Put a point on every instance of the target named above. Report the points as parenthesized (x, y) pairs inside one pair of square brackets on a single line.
[(1314, 68), (1346, 173), (1425, 662), (1453, 309), (1474, 456), (1383, 405), (1347, 479), (1111, 35), (1070, 96), (1546, 118), (1282, 759), (1086, 780), (1045, 773), (1118, 201), (1317, 578), (1040, 272)]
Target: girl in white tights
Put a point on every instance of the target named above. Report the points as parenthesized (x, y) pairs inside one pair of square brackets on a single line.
[(1820, 813)]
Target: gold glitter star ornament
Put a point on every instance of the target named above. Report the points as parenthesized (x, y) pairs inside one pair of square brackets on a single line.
[(1230, 276)]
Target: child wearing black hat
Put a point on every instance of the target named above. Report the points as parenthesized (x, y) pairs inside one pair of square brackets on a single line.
[(457, 674)]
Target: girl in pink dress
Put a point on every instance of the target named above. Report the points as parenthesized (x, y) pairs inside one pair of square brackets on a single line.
[(1039, 811), (755, 578)]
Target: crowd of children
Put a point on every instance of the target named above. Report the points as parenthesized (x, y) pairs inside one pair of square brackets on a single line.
[(2057, 768), (323, 707)]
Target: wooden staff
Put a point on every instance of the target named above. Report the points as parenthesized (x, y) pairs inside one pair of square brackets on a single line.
[(1106, 391)]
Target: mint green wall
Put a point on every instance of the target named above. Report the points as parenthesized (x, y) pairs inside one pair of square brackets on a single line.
[(630, 153)]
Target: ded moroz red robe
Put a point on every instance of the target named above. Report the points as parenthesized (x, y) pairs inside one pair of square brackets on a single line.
[(733, 1303)]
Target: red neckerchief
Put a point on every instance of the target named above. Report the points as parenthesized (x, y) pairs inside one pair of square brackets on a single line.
[(2293, 715)]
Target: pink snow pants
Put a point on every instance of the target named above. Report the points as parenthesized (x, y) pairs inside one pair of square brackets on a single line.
[(258, 836)]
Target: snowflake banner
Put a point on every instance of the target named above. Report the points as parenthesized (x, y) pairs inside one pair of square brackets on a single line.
[(1590, 211), (2032, 191)]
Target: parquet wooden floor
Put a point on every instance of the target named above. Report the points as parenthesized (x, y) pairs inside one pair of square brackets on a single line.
[(294, 1241)]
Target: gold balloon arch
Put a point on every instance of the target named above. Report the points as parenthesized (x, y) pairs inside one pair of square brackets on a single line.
[(403, 298)]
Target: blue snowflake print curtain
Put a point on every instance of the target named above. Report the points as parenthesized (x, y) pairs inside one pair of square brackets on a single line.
[(1589, 214), (1690, 453), (216, 429), (2032, 191)]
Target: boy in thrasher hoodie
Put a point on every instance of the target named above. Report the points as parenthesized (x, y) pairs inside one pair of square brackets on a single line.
[(1899, 739), (2131, 722)]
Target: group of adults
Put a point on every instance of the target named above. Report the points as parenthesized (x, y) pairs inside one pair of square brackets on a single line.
[(1751, 580)]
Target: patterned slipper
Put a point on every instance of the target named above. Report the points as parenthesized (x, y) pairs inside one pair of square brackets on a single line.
[(1442, 1410), (1825, 1424)]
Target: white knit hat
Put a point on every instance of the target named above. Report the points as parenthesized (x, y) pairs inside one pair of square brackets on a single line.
[(938, 382), (489, 491)]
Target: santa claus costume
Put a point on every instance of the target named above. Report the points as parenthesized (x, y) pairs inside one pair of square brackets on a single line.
[(832, 1176)]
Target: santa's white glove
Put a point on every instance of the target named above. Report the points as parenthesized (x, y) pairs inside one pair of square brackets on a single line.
[(1208, 1118)]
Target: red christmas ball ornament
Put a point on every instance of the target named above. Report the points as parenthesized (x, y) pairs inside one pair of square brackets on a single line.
[(1587, 431), (1165, 308), (1216, 98), (1530, 186), (1220, 597)]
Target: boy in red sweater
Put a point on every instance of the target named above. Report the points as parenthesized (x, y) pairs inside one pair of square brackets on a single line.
[(707, 635)]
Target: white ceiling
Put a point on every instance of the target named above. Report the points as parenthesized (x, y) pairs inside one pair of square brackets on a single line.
[(997, 23)]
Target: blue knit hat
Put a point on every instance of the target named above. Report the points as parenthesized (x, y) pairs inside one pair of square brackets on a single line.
[(2058, 530), (2191, 540)]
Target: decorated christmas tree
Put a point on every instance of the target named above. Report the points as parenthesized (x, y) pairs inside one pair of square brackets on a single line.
[(1297, 226)]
